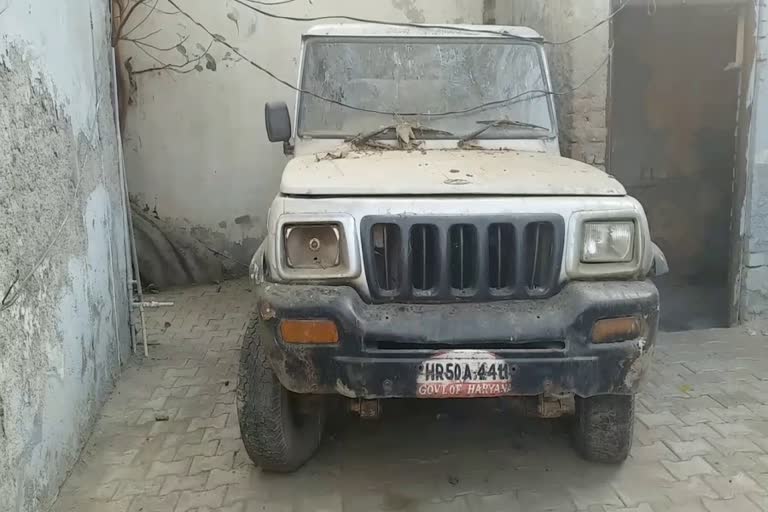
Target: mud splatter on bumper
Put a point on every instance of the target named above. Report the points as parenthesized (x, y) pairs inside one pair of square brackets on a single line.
[(516, 348)]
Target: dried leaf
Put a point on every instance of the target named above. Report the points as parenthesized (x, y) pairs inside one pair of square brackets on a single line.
[(200, 47), (404, 133), (333, 155), (219, 38), (180, 48), (210, 62), (198, 67)]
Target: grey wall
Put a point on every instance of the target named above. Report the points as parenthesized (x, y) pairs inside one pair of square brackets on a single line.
[(582, 113), (753, 279), (60, 205)]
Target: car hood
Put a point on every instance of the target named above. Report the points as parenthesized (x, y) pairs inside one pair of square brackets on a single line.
[(444, 172)]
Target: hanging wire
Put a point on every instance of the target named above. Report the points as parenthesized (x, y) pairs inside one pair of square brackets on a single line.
[(248, 4), (524, 96)]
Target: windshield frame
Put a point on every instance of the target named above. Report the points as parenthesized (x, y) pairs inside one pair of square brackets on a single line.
[(510, 134)]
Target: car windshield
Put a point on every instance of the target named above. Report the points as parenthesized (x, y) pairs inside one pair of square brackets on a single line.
[(449, 87)]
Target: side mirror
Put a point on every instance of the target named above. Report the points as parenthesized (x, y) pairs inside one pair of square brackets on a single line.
[(278, 121)]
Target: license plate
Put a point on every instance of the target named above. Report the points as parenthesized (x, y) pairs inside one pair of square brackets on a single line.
[(464, 374)]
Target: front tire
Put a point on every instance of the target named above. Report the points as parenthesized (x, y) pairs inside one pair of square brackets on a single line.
[(278, 433), (604, 427)]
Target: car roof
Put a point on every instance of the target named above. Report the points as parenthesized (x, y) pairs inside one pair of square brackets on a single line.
[(419, 30)]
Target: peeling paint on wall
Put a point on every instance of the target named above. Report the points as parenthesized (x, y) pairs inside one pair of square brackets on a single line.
[(175, 252), (64, 338)]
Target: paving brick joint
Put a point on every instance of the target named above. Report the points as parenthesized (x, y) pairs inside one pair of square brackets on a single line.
[(168, 440)]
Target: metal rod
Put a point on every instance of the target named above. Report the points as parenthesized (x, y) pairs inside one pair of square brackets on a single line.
[(134, 276), (143, 328), (154, 304), (123, 203)]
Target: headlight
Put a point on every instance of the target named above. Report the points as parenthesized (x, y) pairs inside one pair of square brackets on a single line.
[(608, 242), (312, 246)]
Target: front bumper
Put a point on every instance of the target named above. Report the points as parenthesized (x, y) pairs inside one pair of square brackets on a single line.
[(533, 347)]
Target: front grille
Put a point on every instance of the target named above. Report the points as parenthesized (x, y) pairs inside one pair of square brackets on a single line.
[(443, 259)]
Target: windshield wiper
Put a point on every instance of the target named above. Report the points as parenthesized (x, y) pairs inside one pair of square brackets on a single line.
[(364, 137), (499, 123)]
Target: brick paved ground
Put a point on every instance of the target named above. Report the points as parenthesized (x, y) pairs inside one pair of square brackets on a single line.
[(701, 438)]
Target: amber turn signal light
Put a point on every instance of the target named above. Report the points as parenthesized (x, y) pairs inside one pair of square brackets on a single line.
[(611, 330), (314, 332)]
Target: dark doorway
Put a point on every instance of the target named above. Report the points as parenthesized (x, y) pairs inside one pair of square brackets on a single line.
[(674, 95)]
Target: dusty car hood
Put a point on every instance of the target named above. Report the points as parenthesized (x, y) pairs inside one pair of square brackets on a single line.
[(444, 172)]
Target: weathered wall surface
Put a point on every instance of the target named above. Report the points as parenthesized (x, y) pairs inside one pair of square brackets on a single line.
[(754, 214), (63, 336), (582, 113), (199, 164)]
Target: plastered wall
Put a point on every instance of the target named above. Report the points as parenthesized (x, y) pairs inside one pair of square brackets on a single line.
[(62, 218)]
